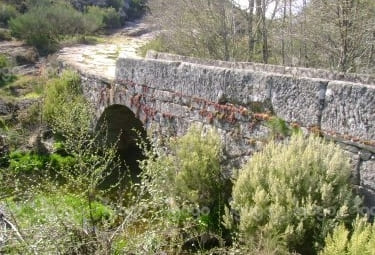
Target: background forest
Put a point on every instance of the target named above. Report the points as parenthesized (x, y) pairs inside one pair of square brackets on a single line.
[(331, 34)]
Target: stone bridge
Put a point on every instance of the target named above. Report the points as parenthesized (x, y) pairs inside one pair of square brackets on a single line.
[(165, 94)]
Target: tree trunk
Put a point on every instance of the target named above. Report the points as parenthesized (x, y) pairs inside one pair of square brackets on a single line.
[(303, 27), (371, 55), (283, 35), (264, 33), (250, 30), (224, 30), (344, 10), (290, 32), (258, 30)]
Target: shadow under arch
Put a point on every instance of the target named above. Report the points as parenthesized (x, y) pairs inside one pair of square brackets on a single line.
[(119, 124)]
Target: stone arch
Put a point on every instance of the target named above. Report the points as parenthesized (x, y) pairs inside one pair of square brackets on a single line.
[(119, 124)]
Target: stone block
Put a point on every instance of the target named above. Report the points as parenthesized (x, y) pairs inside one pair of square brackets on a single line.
[(350, 110), (367, 174), (298, 99)]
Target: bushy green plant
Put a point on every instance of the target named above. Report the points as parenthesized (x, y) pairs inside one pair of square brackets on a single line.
[(279, 127), (197, 159), (97, 18), (3, 64), (43, 26), (30, 84), (3, 124), (116, 4), (137, 8), (62, 94), (61, 219), (199, 178), (5, 35), (26, 162), (157, 44), (30, 118), (5, 75), (344, 242), (69, 204), (163, 210), (58, 162), (186, 188), (111, 18), (7, 12), (94, 18), (42, 206), (297, 191)]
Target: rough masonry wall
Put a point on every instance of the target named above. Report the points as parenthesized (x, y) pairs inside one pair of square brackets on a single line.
[(295, 71), (169, 95)]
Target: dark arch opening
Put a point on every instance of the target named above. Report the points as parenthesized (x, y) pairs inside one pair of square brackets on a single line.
[(118, 124)]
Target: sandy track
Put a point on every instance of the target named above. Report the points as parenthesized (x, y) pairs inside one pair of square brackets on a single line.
[(100, 59)]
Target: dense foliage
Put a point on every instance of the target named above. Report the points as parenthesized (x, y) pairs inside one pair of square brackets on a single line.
[(332, 34), (71, 178), (46, 23), (297, 192), (361, 240), (44, 26), (61, 92), (7, 12), (5, 75), (194, 170), (102, 18)]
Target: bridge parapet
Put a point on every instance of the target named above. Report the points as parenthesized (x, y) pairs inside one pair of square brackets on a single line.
[(170, 92), (337, 108), (259, 67)]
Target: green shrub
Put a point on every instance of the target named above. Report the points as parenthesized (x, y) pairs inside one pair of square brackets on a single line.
[(297, 192), (4, 63), (97, 18), (7, 12), (58, 161), (197, 159), (111, 18), (192, 176), (21, 162), (43, 26), (5, 75), (93, 20), (137, 8), (43, 206), (116, 4), (360, 241), (60, 219), (279, 127), (60, 93), (181, 194), (157, 44), (3, 124), (59, 147), (5, 35), (48, 23), (199, 177), (30, 118), (26, 86)]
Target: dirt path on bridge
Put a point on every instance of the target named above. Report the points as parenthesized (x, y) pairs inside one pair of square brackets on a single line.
[(100, 59)]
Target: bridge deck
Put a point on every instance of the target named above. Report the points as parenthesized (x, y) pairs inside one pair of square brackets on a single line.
[(100, 59)]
